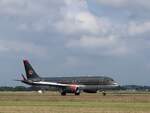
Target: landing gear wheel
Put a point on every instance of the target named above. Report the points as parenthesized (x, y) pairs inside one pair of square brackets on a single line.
[(40, 91), (103, 93), (77, 94), (63, 93)]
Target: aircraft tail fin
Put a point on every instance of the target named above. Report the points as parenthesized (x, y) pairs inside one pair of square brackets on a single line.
[(30, 72)]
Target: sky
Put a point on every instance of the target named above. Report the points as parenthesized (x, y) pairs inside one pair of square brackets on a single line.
[(76, 37)]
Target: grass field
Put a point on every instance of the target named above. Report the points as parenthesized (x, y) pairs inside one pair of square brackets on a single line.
[(52, 102)]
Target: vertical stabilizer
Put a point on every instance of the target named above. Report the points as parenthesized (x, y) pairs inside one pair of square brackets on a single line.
[(30, 73)]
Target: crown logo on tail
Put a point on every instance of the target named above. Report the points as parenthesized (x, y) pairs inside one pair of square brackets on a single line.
[(30, 72)]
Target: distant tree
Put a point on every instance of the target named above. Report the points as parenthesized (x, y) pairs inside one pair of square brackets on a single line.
[(20, 88), (6, 88)]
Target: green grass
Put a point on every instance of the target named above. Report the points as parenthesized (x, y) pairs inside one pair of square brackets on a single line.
[(52, 102)]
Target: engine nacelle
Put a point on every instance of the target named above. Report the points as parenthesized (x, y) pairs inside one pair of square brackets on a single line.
[(72, 89)]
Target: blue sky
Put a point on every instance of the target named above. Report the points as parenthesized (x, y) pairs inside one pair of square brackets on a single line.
[(76, 37)]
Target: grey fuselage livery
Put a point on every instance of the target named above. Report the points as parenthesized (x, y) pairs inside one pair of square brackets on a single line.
[(89, 84)]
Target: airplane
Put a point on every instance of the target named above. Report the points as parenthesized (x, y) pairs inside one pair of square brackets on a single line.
[(76, 85)]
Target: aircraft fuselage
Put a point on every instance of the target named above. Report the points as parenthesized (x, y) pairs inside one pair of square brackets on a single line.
[(89, 84)]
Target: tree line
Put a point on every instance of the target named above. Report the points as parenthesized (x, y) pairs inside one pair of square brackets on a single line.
[(23, 88)]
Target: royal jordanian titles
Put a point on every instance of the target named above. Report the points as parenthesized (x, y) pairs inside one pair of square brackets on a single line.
[(76, 85)]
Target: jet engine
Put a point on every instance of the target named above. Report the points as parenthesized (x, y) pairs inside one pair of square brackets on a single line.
[(71, 89), (75, 89)]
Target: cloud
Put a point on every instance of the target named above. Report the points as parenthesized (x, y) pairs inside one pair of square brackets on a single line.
[(31, 15), (98, 34), (136, 28), (28, 8), (115, 3), (72, 61), (22, 47), (75, 20), (93, 42), (126, 3), (111, 45), (78, 26), (83, 22), (77, 23)]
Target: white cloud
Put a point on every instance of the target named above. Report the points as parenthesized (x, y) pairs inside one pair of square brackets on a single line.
[(111, 45), (135, 28), (127, 3), (76, 18), (31, 15), (22, 47), (79, 22), (73, 17), (94, 42), (115, 3), (28, 8)]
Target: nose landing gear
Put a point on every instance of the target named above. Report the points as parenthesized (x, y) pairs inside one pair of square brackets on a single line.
[(103, 93)]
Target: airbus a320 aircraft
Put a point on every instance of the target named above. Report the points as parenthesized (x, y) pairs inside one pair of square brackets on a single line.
[(76, 85)]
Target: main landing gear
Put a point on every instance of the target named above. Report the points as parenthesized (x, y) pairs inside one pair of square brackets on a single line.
[(63, 93), (77, 94)]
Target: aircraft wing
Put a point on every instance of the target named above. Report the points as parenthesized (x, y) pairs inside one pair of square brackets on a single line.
[(55, 84)]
